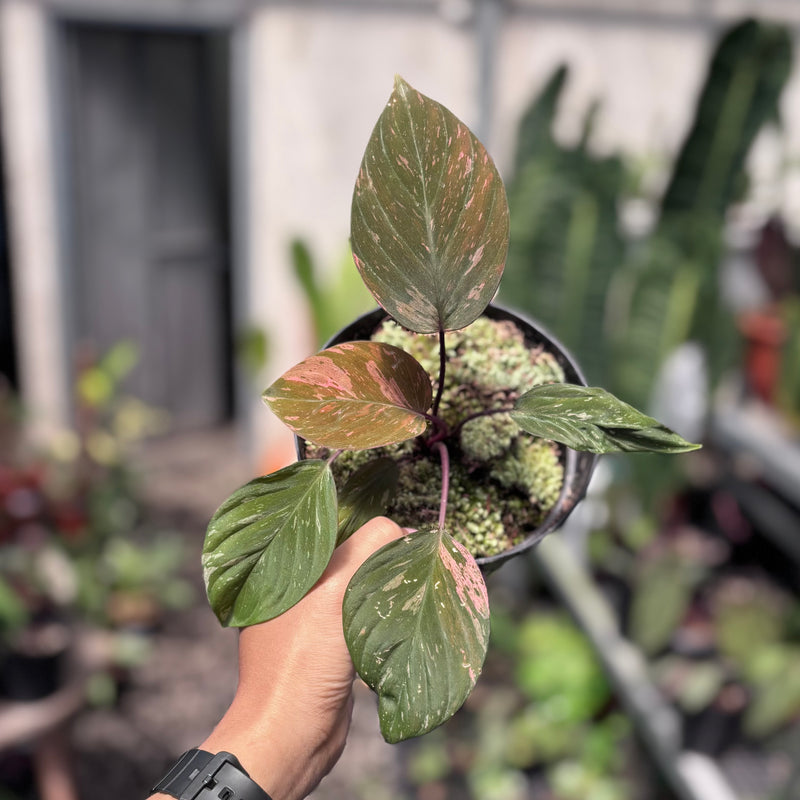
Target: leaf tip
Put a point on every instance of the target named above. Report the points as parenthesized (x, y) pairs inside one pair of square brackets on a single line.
[(688, 447), (400, 85)]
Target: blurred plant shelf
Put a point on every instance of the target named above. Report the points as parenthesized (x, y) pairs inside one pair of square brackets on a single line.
[(762, 457), (706, 594)]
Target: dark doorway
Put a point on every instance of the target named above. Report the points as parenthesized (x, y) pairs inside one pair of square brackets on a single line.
[(147, 117), (8, 355)]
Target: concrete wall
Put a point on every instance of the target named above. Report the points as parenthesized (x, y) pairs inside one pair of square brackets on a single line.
[(320, 79), (312, 80), (32, 213)]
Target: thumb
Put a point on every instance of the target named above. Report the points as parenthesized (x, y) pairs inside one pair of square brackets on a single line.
[(369, 538)]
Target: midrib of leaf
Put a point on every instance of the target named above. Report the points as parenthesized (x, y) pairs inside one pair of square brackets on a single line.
[(390, 222), (291, 515), (402, 694), (425, 203), (433, 251), (356, 401)]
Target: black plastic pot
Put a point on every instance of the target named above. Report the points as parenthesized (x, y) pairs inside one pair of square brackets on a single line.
[(578, 466), (34, 667)]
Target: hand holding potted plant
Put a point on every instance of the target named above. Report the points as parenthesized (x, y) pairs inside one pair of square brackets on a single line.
[(429, 237)]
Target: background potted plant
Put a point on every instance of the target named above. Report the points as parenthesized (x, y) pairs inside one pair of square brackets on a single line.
[(429, 236)]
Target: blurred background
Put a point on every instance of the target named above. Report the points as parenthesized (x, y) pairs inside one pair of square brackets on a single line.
[(174, 213)]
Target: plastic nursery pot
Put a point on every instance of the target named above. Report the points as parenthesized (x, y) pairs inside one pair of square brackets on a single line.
[(764, 333), (578, 467), (34, 667)]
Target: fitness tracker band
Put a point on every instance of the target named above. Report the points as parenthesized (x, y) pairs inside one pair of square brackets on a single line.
[(199, 775)]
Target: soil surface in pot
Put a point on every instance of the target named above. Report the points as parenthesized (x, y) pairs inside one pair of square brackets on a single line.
[(503, 482)]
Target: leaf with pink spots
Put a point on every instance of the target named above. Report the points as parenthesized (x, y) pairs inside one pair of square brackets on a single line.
[(416, 622), (354, 396), (429, 218)]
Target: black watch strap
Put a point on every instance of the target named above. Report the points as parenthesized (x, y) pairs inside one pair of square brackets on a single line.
[(198, 775)]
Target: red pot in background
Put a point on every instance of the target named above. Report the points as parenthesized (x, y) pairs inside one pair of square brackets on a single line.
[(764, 333)]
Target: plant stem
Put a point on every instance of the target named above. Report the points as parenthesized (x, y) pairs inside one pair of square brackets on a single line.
[(442, 429), (442, 367), (445, 456), (485, 413), (334, 456)]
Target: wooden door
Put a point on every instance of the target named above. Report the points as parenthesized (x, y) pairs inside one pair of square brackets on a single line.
[(147, 120)]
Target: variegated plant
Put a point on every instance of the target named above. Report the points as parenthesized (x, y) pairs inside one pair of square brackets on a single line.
[(429, 237)]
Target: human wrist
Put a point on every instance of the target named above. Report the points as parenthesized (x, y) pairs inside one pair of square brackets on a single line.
[(267, 745), (199, 773)]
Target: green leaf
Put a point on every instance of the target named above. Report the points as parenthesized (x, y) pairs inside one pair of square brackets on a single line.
[(662, 591), (269, 542), (429, 220), (354, 396), (592, 419), (416, 622), (366, 494)]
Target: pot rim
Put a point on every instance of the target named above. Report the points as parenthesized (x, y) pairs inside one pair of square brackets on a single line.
[(578, 466)]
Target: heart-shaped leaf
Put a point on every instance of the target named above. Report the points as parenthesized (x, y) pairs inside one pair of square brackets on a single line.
[(592, 419), (354, 396), (416, 622), (366, 494), (269, 542), (429, 221)]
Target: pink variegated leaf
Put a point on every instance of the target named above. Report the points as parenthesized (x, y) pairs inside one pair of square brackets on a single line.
[(416, 622), (429, 217), (354, 396)]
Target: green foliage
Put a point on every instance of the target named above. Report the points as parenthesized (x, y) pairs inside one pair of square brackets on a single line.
[(589, 418), (676, 297), (694, 683), (252, 350), (269, 542), (621, 306), (76, 541), (662, 591), (335, 298), (429, 229), (543, 711), (753, 627), (565, 246), (367, 493), (748, 71), (776, 700), (13, 612), (557, 669)]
